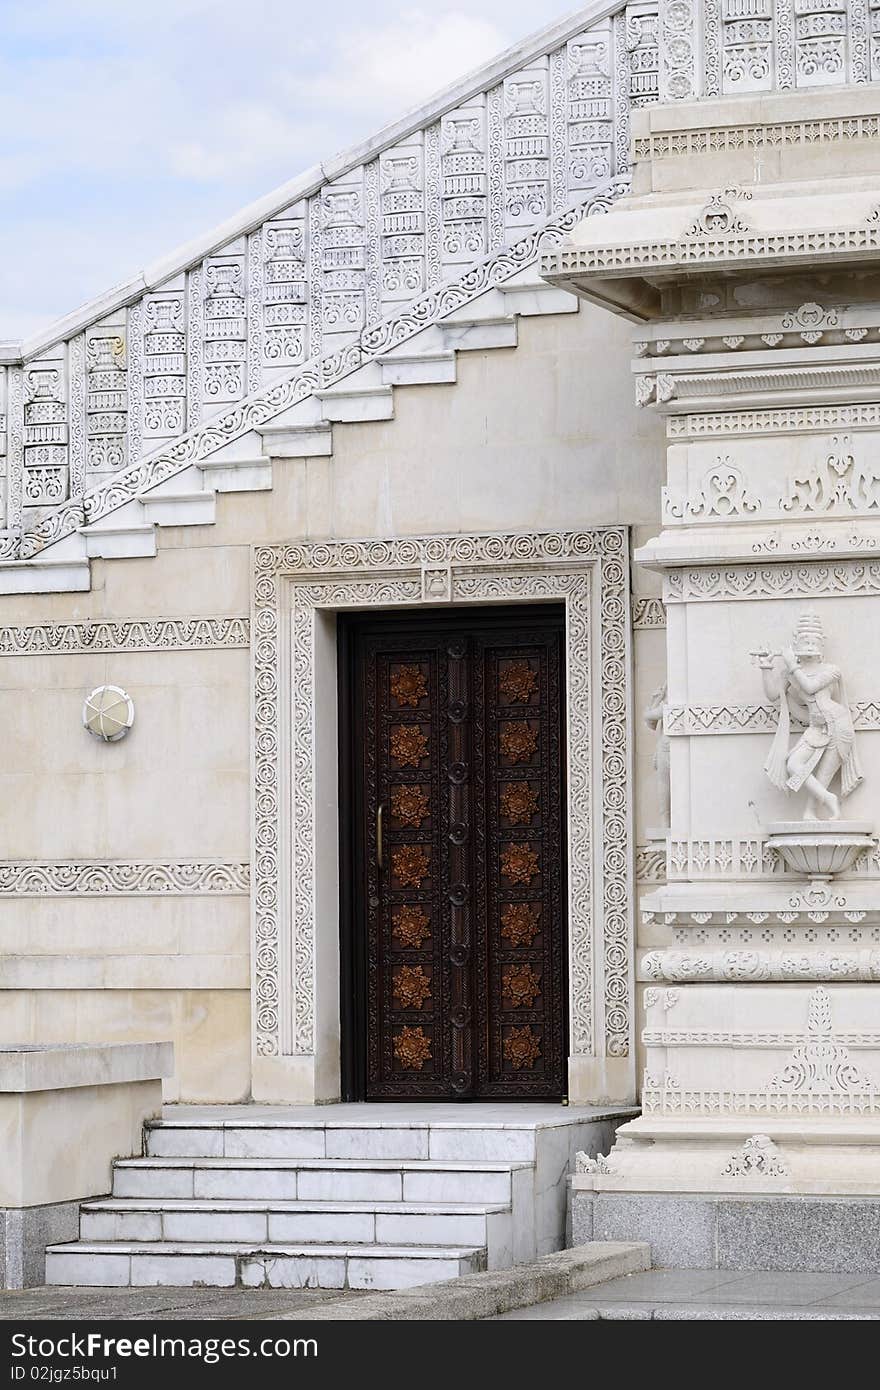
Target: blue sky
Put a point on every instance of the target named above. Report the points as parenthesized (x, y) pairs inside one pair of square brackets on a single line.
[(129, 126)]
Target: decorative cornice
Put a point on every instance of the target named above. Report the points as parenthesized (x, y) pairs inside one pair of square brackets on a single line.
[(648, 613), (27, 878), (130, 635), (718, 965)]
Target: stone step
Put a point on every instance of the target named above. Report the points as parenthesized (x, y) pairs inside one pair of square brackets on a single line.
[(237, 475), (353, 1140), (125, 541), (297, 441), (534, 297), (418, 368), (383, 1180), (324, 1223), (190, 508), (356, 405), (223, 1264), (472, 333)]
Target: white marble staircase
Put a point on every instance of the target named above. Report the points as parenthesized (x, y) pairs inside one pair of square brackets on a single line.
[(488, 323), (344, 1196)]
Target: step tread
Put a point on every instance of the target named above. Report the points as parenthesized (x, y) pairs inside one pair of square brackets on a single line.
[(297, 1206), (231, 1247), (342, 1165)]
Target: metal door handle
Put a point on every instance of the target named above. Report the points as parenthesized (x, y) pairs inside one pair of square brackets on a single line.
[(380, 857)]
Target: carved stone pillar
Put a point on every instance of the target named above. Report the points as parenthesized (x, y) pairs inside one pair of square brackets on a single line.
[(757, 305)]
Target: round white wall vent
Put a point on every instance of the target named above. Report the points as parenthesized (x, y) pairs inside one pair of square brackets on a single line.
[(108, 713)]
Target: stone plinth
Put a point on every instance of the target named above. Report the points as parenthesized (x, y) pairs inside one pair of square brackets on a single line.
[(66, 1112), (756, 301)]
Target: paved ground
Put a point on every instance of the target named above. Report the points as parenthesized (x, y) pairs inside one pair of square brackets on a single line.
[(27, 1305), (695, 1294)]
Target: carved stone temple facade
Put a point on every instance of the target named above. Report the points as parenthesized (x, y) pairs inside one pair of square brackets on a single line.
[(436, 621)]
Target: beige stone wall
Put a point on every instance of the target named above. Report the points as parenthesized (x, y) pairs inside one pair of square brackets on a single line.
[(540, 437)]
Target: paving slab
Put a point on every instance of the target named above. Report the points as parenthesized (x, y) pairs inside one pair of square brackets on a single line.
[(57, 1304)]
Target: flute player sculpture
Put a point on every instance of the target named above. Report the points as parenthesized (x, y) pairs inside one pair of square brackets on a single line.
[(811, 690)]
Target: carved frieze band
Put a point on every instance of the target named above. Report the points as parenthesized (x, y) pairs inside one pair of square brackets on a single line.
[(833, 130), (110, 878), (129, 635), (749, 719), (781, 420), (481, 568), (737, 857), (705, 584), (648, 613)]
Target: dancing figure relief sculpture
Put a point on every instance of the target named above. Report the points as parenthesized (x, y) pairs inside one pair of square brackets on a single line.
[(811, 691)]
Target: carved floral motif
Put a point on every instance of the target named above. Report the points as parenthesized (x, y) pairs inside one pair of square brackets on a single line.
[(410, 925), (518, 742), (411, 1048), (409, 805), (409, 745), (519, 863), (519, 802), (517, 682), (411, 987), (408, 685), (521, 1048), (519, 923), (520, 986), (409, 864), (758, 1157)]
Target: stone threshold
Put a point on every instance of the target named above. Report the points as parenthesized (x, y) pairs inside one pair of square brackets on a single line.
[(397, 1115)]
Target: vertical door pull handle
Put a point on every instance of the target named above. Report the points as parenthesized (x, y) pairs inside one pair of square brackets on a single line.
[(380, 855)]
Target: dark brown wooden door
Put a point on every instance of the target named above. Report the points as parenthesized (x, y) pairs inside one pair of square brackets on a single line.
[(455, 958)]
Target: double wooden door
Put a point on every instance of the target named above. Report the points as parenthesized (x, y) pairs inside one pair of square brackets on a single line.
[(453, 855)]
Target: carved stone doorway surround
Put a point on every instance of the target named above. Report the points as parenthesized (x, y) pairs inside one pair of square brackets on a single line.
[(298, 589)]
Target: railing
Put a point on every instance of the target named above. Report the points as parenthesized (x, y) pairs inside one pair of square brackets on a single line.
[(295, 290)]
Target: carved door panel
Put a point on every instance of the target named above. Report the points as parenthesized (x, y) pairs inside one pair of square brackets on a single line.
[(455, 951)]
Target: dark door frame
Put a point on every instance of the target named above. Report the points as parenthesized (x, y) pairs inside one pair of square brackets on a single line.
[(352, 942)]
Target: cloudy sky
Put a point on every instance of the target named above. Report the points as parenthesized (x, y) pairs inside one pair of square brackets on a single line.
[(129, 126)]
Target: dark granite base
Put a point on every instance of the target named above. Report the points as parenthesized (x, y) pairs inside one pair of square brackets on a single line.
[(833, 1235), (24, 1234)]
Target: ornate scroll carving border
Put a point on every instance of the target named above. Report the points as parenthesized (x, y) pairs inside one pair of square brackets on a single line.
[(589, 572), (691, 720), (129, 635), (813, 579), (26, 878)]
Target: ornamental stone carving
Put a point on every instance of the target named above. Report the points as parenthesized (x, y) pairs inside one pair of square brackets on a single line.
[(758, 1157), (799, 679)]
